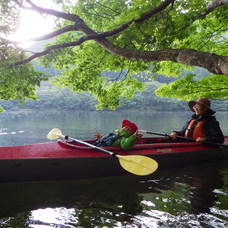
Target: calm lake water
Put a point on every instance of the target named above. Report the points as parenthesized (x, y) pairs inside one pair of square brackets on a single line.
[(195, 196)]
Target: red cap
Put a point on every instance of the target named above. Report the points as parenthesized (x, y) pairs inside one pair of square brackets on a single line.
[(128, 123)]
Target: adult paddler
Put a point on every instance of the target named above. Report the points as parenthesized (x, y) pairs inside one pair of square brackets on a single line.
[(203, 126)]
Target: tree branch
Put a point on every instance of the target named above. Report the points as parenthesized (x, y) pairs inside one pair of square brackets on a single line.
[(81, 26), (67, 16), (56, 47), (215, 4), (213, 63), (54, 34), (154, 11)]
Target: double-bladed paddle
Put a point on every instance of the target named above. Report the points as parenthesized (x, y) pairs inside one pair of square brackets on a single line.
[(181, 137), (136, 164)]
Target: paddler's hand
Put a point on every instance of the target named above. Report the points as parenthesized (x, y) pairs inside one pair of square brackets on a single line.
[(173, 135), (200, 139), (138, 134), (122, 129), (97, 135)]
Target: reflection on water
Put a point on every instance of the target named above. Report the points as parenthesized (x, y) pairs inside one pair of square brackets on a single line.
[(188, 197), (26, 128), (59, 216), (194, 196)]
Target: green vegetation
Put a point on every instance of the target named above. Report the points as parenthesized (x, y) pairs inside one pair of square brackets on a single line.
[(95, 37), (52, 98)]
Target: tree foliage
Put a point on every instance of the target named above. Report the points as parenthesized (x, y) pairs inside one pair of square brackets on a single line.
[(52, 98), (16, 82), (191, 87), (158, 37)]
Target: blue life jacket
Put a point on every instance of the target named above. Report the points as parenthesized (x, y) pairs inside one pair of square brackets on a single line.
[(107, 140)]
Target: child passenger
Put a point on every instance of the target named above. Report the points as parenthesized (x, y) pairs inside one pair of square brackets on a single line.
[(124, 137)]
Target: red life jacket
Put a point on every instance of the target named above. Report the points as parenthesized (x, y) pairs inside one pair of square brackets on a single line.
[(195, 129)]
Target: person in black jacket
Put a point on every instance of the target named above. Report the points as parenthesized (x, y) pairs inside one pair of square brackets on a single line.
[(203, 127)]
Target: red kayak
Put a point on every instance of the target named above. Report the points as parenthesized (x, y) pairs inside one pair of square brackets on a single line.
[(66, 159)]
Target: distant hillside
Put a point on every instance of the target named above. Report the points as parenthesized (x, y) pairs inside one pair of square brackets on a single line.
[(52, 98)]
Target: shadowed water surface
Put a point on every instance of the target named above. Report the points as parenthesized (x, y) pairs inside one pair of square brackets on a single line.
[(191, 197)]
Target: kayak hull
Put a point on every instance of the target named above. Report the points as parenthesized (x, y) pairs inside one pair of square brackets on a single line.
[(67, 160)]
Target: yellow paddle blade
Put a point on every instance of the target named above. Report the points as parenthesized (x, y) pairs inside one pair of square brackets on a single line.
[(137, 164), (54, 134)]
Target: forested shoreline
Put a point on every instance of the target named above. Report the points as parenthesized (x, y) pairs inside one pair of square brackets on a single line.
[(52, 98)]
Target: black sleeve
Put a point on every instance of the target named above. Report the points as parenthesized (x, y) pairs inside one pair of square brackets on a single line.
[(213, 132)]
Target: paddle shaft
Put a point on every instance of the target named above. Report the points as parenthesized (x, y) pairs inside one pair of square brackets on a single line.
[(92, 146), (155, 133), (189, 139), (136, 164)]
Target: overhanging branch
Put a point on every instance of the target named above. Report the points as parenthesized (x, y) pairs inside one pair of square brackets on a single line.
[(215, 4), (213, 63)]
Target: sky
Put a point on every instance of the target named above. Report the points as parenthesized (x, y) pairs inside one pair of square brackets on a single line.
[(33, 24)]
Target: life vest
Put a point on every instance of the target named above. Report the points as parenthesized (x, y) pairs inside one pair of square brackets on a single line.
[(195, 129), (107, 140)]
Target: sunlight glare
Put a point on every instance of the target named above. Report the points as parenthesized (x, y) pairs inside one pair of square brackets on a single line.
[(33, 25), (58, 217)]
